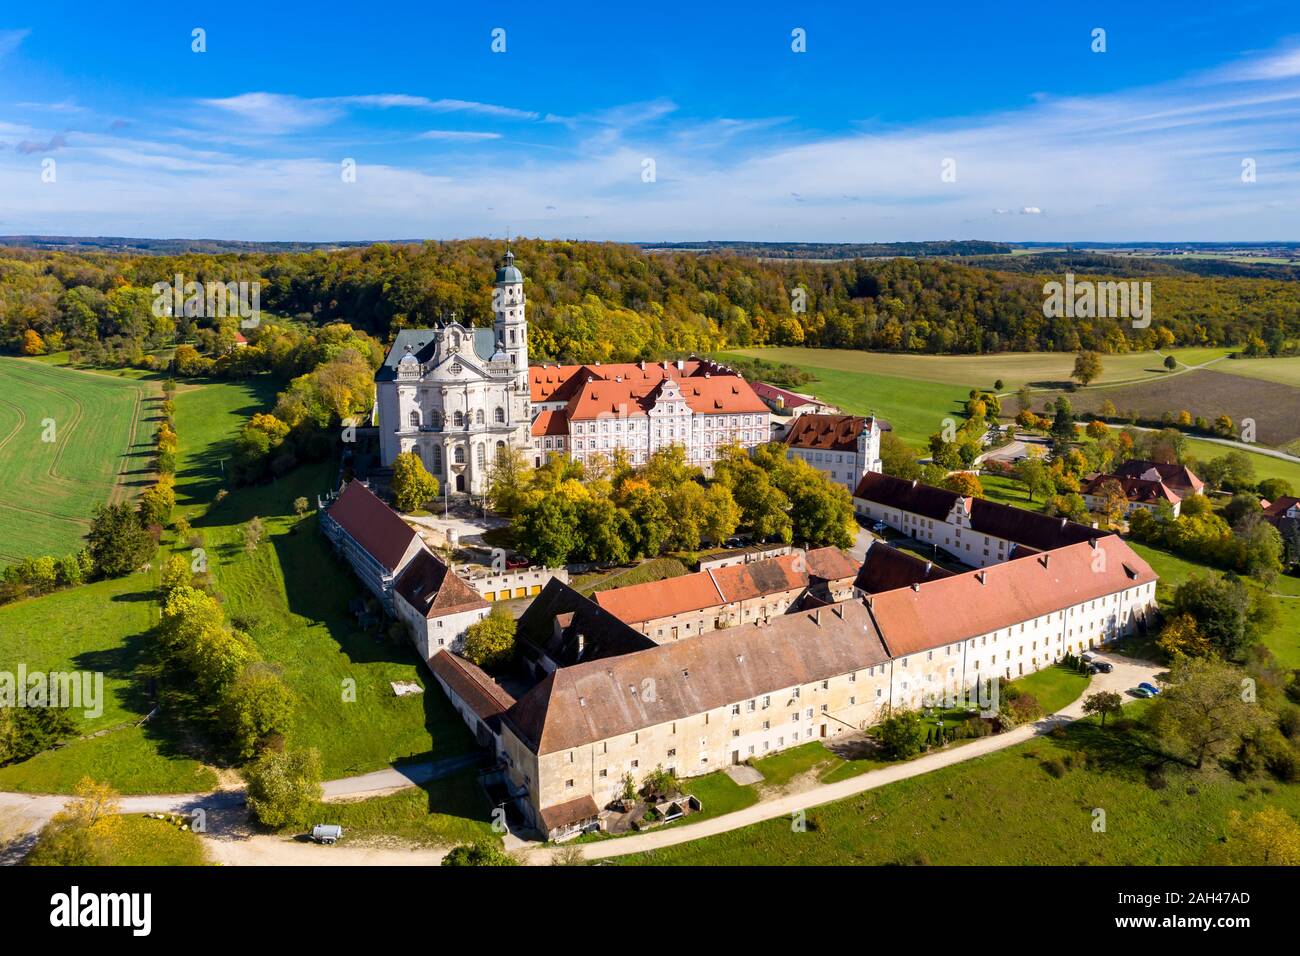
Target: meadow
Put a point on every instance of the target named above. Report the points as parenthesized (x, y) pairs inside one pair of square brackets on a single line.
[(290, 594), (101, 430), (1008, 808)]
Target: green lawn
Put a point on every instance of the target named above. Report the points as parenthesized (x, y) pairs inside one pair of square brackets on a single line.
[(1006, 809), (1054, 687), (1266, 466), (145, 841), (99, 431), (655, 569), (1008, 491), (208, 417), (1036, 369), (101, 628), (1284, 370), (780, 768), (447, 812)]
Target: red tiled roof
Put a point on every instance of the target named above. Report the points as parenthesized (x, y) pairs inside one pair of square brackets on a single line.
[(788, 398), (372, 524), (654, 599), (827, 432), (1177, 477), (830, 564), (571, 812), (550, 423), (559, 383), (888, 568), (433, 589), (970, 604), (481, 694), (1280, 507), (1138, 490)]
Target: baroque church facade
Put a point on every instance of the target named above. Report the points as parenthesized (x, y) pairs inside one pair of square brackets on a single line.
[(456, 395)]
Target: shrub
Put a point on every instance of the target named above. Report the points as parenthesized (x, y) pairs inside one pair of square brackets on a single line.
[(283, 787)]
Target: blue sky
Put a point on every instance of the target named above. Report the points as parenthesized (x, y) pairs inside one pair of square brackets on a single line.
[(848, 141)]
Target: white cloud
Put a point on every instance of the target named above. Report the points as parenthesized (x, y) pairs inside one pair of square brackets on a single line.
[(456, 135)]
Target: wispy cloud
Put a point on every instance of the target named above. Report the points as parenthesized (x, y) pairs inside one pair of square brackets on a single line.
[(1157, 162), (458, 135), (10, 40)]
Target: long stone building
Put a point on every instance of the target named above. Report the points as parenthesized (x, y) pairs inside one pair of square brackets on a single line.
[(607, 700)]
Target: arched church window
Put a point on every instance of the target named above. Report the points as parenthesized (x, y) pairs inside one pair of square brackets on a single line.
[(499, 415), (501, 449), (435, 459), (415, 419), (478, 417), (436, 419), (459, 419), (460, 454), (481, 456)]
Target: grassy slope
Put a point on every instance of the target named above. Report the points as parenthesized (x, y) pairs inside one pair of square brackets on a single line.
[(451, 811), (102, 628), (1004, 808), (295, 594), (48, 489), (147, 842)]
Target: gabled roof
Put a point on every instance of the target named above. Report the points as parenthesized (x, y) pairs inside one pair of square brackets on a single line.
[(372, 524), (550, 423), (570, 813), (830, 564), (1280, 507), (678, 595), (559, 383), (962, 606), (1138, 490), (1177, 477), (827, 432), (602, 634), (788, 398), (481, 694), (986, 517), (602, 699), (429, 586), (688, 593), (888, 568)]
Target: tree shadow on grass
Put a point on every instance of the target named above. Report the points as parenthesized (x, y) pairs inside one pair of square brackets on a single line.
[(1122, 750)]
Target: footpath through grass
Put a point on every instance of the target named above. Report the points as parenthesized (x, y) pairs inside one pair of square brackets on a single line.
[(1008, 808)]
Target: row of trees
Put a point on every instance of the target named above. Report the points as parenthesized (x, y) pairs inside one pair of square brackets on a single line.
[(608, 512), (214, 670), (608, 302)]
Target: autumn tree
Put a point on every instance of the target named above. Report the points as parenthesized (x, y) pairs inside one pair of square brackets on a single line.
[(413, 486), (82, 833), (1203, 713), (1103, 703), (283, 786), (1087, 368), (491, 642)]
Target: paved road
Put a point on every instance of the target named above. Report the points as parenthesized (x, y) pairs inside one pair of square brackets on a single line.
[(1128, 673), (232, 842)]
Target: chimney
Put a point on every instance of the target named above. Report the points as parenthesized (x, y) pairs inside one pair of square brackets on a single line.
[(1093, 542), (1047, 555), (641, 365), (681, 366), (582, 644), (916, 586), (980, 576), (870, 600), (838, 610), (817, 617), (913, 482), (928, 566)]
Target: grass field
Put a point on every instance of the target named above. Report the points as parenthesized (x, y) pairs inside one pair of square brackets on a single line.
[(914, 393), (100, 450), (1006, 809), (1054, 687), (450, 811), (101, 628), (1036, 369), (292, 594)]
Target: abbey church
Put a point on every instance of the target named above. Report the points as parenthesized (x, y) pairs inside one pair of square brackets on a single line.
[(456, 396)]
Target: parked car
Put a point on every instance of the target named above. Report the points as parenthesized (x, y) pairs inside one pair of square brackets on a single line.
[(517, 561), (878, 527), (1141, 692), (1101, 667), (327, 833), (1151, 689)]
